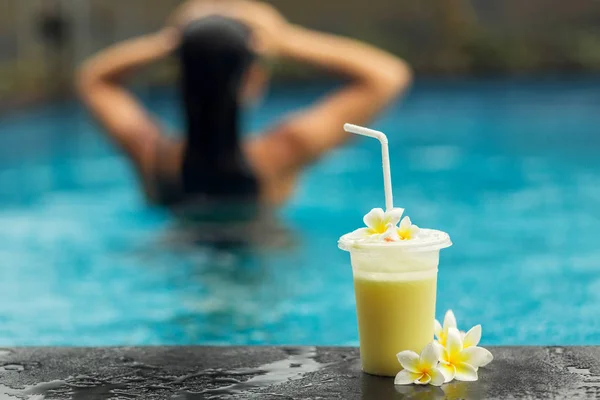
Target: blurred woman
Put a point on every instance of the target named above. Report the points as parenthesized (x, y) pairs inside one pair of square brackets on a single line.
[(221, 46)]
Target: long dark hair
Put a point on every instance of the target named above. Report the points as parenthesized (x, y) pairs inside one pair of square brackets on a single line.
[(215, 54)]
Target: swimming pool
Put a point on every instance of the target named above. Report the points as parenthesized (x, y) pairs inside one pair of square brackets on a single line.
[(509, 168)]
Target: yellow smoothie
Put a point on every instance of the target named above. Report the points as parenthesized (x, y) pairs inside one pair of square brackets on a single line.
[(395, 313), (395, 287)]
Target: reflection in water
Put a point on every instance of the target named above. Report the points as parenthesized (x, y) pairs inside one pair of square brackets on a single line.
[(32, 392), (300, 361), (231, 272), (416, 392), (86, 390), (462, 390), (12, 367), (377, 387), (43, 387), (228, 290), (100, 392), (229, 226)]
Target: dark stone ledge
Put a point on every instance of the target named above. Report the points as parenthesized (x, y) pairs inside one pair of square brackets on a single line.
[(278, 373)]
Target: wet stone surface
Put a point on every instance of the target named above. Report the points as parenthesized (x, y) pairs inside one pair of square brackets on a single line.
[(190, 373)]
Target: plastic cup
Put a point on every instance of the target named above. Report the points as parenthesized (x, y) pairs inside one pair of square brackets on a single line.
[(395, 287)]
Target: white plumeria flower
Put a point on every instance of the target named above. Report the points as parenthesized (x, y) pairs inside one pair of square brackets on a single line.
[(407, 230), (460, 362), (377, 220), (469, 339), (421, 370), (380, 225), (441, 332)]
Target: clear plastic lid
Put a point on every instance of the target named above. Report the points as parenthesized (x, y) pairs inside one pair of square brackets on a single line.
[(427, 240)]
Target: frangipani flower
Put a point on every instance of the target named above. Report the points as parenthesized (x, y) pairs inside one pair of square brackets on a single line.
[(442, 332), (407, 230), (380, 225), (469, 339), (422, 369), (459, 362), (377, 220)]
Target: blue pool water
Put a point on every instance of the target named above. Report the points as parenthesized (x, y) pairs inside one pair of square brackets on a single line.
[(509, 168)]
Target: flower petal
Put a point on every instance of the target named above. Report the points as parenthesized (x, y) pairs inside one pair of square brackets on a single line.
[(423, 379), (374, 218), (372, 237), (488, 359), (437, 378), (360, 233), (472, 337), (444, 356), (437, 330), (393, 216), (448, 371), (414, 230), (409, 360), (465, 372), (453, 343), (390, 234), (430, 356), (441, 347), (405, 223), (406, 377), (476, 356), (449, 320)]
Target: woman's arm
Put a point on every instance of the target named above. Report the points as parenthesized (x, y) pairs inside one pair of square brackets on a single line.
[(99, 84), (381, 72), (375, 79)]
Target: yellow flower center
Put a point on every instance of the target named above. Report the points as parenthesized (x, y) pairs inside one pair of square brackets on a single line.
[(404, 234), (424, 371), (377, 229), (454, 359)]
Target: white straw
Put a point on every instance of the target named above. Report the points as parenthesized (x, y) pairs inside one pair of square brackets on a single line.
[(385, 158)]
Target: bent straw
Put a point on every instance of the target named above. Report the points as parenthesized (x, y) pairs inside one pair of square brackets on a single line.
[(385, 158)]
